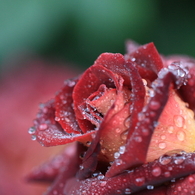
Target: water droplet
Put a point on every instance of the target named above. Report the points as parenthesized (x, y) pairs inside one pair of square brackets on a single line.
[(84, 192), (191, 179), (103, 183), (162, 145), (167, 174), (33, 137), (118, 162), (138, 139), (154, 105), (180, 135), (179, 120), (81, 167), (133, 59), (164, 160), (43, 127), (127, 191), (122, 149), (116, 155), (156, 171), (88, 143), (127, 122), (145, 132), (150, 187), (67, 119), (103, 150), (100, 176), (57, 118), (31, 130), (163, 137), (141, 116), (118, 130), (144, 82), (170, 129), (139, 181), (179, 159), (124, 135)]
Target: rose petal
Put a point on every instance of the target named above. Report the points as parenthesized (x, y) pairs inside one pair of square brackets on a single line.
[(64, 113), (144, 177), (141, 137), (67, 171), (148, 57), (49, 132), (48, 171), (175, 129)]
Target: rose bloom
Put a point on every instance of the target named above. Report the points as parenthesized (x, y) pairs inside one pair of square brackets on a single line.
[(130, 119), (21, 91)]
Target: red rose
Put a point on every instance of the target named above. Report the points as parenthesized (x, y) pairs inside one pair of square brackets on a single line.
[(127, 111)]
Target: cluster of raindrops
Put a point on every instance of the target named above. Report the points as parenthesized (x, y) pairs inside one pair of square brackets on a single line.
[(32, 131)]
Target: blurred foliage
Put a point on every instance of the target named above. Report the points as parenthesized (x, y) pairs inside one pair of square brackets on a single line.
[(78, 31)]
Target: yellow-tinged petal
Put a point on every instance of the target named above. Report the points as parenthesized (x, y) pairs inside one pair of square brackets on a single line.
[(175, 131)]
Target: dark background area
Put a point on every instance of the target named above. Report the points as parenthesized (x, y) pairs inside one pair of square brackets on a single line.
[(78, 31)]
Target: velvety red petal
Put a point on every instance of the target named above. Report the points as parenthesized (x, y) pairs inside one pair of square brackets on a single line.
[(67, 171), (148, 57), (64, 113), (147, 176), (116, 63), (104, 71), (48, 171), (184, 186), (48, 131), (138, 97), (142, 134)]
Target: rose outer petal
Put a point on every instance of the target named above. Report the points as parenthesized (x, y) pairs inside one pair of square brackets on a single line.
[(146, 176), (148, 57), (64, 113), (48, 131)]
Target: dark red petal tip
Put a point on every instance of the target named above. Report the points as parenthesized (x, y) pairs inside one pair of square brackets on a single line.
[(148, 57)]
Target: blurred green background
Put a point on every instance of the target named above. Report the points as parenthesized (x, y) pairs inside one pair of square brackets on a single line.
[(79, 30)]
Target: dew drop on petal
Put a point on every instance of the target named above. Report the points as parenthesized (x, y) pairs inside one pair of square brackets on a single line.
[(156, 171), (122, 149), (163, 137), (33, 137), (164, 160), (170, 129), (179, 159), (43, 127), (116, 155), (31, 130), (127, 191), (167, 174), (162, 145), (178, 120), (118, 130), (154, 105), (127, 122), (139, 181), (145, 132), (138, 139), (180, 135), (103, 183), (191, 179), (124, 135), (150, 187)]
